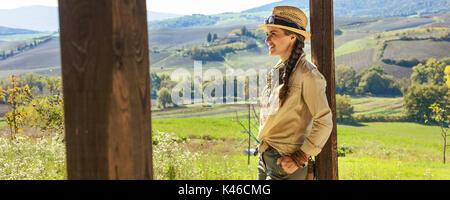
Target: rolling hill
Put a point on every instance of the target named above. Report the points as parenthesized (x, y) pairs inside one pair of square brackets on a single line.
[(357, 46), (40, 18), (42, 59), (364, 42), (45, 18), (13, 31), (342, 9), (169, 38), (371, 8)]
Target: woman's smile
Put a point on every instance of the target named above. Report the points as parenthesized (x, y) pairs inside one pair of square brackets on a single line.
[(279, 43), (271, 47)]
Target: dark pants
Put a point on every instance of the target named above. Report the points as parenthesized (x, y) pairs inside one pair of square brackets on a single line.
[(269, 170)]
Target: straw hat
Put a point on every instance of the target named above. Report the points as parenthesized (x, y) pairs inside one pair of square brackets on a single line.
[(289, 18)]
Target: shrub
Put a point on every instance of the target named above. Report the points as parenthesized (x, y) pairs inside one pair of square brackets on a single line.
[(420, 97), (377, 83), (337, 31), (346, 80), (344, 150), (410, 62), (171, 160), (343, 107), (164, 97), (17, 96), (47, 112), (380, 118)]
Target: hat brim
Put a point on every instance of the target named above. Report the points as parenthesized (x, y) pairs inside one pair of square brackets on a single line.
[(305, 34)]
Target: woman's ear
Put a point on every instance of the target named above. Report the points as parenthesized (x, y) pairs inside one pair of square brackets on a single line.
[(293, 37)]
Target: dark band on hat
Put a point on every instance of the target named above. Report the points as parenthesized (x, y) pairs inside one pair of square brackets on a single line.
[(275, 20)]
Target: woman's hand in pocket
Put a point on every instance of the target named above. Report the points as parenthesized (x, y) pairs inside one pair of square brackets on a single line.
[(288, 165)]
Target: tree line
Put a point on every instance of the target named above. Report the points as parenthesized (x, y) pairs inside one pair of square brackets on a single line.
[(216, 49), (428, 84), (370, 81), (161, 89), (21, 46)]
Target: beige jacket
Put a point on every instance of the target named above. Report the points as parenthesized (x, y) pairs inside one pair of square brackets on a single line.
[(304, 122)]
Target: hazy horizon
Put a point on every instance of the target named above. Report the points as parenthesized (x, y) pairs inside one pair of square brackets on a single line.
[(162, 6)]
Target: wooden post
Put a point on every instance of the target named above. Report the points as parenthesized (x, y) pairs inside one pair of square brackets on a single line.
[(322, 55), (106, 83)]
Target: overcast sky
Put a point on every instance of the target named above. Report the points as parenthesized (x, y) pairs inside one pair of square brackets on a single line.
[(167, 6)]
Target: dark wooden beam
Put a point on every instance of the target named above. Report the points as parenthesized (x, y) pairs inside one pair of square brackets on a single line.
[(106, 83), (322, 55)]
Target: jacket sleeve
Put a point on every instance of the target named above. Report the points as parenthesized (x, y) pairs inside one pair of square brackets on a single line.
[(314, 94)]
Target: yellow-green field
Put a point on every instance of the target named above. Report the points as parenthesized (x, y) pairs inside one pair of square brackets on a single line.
[(377, 105)]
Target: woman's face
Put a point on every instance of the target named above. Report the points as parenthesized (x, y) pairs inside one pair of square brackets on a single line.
[(279, 43)]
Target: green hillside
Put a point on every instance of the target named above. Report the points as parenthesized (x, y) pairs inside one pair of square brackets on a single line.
[(13, 31), (362, 43), (169, 38), (342, 8), (219, 20), (371, 8), (380, 41)]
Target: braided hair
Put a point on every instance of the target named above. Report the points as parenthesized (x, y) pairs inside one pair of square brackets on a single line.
[(289, 64)]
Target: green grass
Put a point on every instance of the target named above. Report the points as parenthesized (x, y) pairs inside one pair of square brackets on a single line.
[(393, 140), (377, 105), (210, 147), (217, 127), (380, 150), (392, 151), (222, 167), (32, 159), (369, 168), (189, 111), (2, 122), (355, 46), (199, 159)]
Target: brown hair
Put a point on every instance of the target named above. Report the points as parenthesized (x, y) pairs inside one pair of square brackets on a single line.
[(289, 64)]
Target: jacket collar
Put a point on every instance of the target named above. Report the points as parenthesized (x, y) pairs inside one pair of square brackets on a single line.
[(280, 64)]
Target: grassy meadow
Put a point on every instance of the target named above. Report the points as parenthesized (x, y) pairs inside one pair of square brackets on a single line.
[(41, 158), (379, 150), (206, 143), (392, 151)]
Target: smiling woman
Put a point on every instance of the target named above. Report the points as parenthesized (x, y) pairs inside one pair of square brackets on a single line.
[(296, 120)]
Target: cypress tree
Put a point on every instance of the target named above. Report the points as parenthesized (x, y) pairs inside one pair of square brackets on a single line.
[(209, 38)]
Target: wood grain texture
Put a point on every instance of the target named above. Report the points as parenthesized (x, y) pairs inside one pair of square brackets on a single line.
[(322, 55), (106, 83)]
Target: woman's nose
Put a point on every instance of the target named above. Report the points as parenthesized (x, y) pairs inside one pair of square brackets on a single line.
[(268, 39)]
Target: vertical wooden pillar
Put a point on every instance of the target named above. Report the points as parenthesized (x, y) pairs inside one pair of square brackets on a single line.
[(322, 55), (106, 83)]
